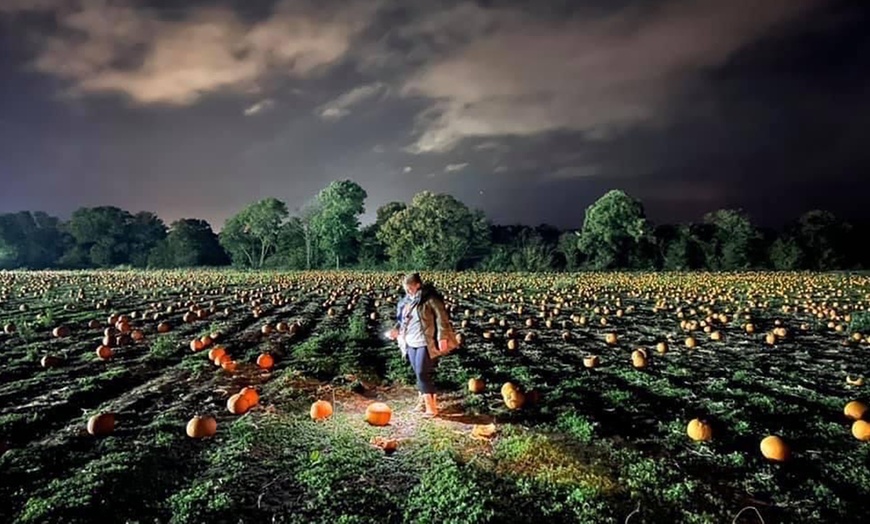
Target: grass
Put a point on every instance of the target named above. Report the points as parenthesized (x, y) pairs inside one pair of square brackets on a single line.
[(596, 445)]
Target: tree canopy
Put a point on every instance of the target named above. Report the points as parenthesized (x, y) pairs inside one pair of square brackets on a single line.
[(613, 230), (252, 235), (432, 231)]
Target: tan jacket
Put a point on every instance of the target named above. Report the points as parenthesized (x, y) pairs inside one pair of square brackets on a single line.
[(435, 321)]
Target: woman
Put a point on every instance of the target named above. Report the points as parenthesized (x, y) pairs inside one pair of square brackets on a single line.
[(424, 333)]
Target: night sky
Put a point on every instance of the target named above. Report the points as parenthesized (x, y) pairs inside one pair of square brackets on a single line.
[(528, 111)]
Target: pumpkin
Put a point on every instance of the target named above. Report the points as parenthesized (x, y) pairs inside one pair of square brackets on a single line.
[(774, 448), (60, 332), (611, 338), (854, 381), (238, 404), (861, 430), (50, 361), (206, 341), (378, 414), (699, 431), (321, 410), (265, 361), (229, 365), (770, 338), (716, 335), (250, 394), (750, 328), (282, 327), (105, 352), (389, 445), (163, 327), (216, 352), (137, 335), (476, 385), (514, 399), (512, 344), (691, 342), (94, 324), (855, 410), (638, 358), (487, 334), (196, 345), (483, 431), (590, 361), (266, 329), (201, 427), (662, 348), (101, 424), (9, 329)]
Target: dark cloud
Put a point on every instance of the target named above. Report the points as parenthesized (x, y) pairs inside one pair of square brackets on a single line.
[(528, 112)]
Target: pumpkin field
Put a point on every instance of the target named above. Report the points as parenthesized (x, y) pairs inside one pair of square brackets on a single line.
[(224, 396)]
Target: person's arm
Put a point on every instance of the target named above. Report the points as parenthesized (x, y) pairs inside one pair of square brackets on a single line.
[(394, 333), (399, 306)]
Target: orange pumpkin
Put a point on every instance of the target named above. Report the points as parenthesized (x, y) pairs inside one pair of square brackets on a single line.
[(50, 361), (321, 410), (163, 327), (476, 385), (101, 424), (774, 448), (514, 399), (378, 414), (265, 361), (855, 410), (201, 427), (861, 430), (238, 404), (251, 394), (215, 353), (196, 345), (105, 352), (229, 365), (638, 358), (699, 430)]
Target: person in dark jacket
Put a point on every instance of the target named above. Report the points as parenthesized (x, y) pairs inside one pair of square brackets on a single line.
[(424, 333)]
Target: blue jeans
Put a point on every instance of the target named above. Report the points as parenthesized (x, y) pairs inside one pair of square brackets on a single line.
[(424, 369)]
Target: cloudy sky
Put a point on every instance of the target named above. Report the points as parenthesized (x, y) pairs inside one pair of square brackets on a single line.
[(526, 110)]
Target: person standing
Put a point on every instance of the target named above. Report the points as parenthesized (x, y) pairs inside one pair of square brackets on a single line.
[(424, 333)]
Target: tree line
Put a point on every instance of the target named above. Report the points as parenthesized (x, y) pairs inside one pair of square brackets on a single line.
[(433, 231)]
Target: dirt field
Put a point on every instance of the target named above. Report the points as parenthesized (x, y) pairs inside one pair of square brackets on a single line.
[(602, 444)]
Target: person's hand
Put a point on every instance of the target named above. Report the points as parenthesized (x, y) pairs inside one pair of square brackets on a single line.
[(442, 345), (394, 334)]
